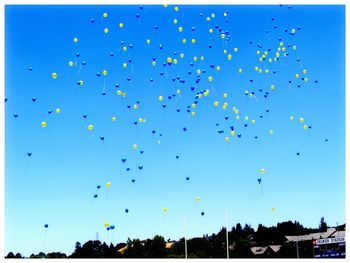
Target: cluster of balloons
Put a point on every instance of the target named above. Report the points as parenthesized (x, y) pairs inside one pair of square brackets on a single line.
[(197, 88)]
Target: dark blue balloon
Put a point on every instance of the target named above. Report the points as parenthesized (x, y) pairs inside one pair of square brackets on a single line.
[(111, 54), (164, 106), (126, 210), (127, 169), (140, 167), (103, 93), (77, 54), (49, 111), (46, 225), (153, 132), (123, 160), (187, 178), (259, 180), (30, 68), (141, 152), (178, 110), (5, 99), (226, 117), (137, 15), (84, 116), (83, 63), (95, 196), (156, 27), (102, 138), (184, 128), (99, 186), (92, 20), (112, 227), (177, 157), (245, 125), (108, 228), (239, 135), (133, 180), (255, 137), (29, 154), (298, 154), (15, 115), (202, 213)]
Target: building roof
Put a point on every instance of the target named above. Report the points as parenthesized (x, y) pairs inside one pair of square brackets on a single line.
[(312, 236), (262, 250), (338, 234), (169, 245)]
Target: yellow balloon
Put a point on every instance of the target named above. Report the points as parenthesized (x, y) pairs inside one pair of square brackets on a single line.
[(58, 110), (229, 57), (210, 78), (218, 68), (75, 40), (202, 58), (80, 83), (225, 95), (193, 113), (222, 36), (232, 133), (165, 209), (124, 94), (43, 124), (301, 120), (124, 65), (176, 8), (216, 103), (121, 25), (105, 15), (180, 29), (235, 49), (140, 120), (273, 209), (197, 199), (158, 142), (70, 63), (272, 87), (240, 70), (160, 98), (253, 121), (227, 139), (108, 184), (270, 132), (246, 118), (193, 41), (182, 55), (114, 118), (54, 75), (291, 118), (175, 61), (125, 48), (105, 30), (178, 91), (169, 60), (213, 15), (135, 106), (119, 92), (210, 30), (104, 73), (175, 21), (262, 170), (148, 41), (305, 127), (106, 224), (134, 146), (90, 127), (153, 63)]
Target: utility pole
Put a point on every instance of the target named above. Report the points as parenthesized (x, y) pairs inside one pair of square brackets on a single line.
[(185, 237), (297, 249), (227, 252)]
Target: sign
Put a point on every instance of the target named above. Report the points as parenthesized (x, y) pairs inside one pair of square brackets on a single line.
[(330, 240)]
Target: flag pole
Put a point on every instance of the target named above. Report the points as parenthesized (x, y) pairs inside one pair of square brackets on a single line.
[(227, 252)]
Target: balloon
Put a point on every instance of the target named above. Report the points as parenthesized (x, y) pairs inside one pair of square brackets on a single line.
[(29, 154), (98, 187), (106, 224), (43, 124), (176, 8), (187, 178), (270, 132), (114, 118), (262, 170), (54, 75), (58, 110), (75, 40), (30, 68), (197, 199), (95, 196), (121, 25), (102, 138), (160, 98), (175, 21), (105, 15), (70, 63), (90, 127), (259, 180), (301, 120), (165, 209), (134, 146), (108, 184), (202, 213), (112, 227), (216, 103), (126, 210), (291, 118), (148, 41), (273, 209), (15, 115), (46, 225)]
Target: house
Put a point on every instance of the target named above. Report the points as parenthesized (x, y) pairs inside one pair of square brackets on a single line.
[(313, 236)]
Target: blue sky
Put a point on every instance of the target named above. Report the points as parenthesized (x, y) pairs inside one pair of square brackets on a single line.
[(57, 183)]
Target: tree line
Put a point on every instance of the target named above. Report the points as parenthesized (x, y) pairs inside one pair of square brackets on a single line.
[(240, 240)]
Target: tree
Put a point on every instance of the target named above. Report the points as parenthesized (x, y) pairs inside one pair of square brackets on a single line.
[(10, 255), (323, 225), (158, 249)]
